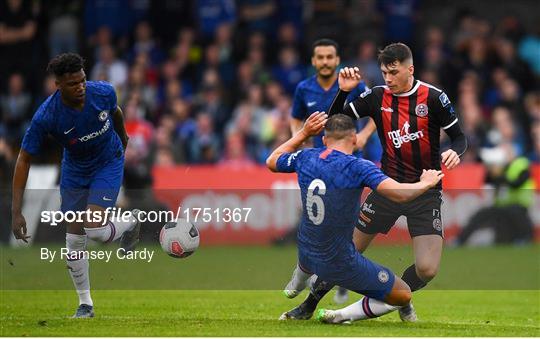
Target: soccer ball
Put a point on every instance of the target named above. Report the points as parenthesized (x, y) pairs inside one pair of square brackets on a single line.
[(179, 238)]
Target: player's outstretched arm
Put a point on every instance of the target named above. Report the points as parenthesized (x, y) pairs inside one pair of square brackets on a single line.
[(22, 167), (401, 193), (313, 126), (118, 120)]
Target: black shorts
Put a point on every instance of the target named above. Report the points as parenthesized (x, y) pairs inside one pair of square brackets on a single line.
[(379, 214)]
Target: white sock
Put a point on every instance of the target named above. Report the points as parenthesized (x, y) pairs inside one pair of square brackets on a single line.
[(364, 309), (78, 269), (299, 279), (110, 232)]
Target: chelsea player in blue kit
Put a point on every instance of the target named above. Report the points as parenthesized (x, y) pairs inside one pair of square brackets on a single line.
[(315, 94), (331, 182), (84, 118)]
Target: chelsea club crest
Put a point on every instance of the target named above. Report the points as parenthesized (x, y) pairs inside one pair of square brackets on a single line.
[(103, 115)]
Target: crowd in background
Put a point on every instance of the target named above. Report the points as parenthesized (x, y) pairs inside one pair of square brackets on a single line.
[(212, 82)]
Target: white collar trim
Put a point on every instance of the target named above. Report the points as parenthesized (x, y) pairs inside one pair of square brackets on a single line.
[(406, 94)]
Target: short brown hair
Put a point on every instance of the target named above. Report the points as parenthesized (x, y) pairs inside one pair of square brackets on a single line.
[(394, 52), (339, 126)]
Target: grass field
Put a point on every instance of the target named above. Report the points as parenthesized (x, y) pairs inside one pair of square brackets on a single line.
[(235, 291)]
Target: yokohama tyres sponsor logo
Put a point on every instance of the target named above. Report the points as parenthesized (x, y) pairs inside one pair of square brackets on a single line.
[(96, 134), (401, 136)]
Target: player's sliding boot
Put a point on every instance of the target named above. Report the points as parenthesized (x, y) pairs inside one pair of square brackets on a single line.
[(408, 314), (129, 239), (329, 317), (84, 311), (298, 313), (298, 283), (341, 296)]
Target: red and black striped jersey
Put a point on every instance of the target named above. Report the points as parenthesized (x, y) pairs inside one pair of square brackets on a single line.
[(408, 125)]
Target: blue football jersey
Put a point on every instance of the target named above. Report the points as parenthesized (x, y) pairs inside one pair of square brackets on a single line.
[(331, 184), (310, 97), (88, 136)]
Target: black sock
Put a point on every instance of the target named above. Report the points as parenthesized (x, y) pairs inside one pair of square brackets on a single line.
[(319, 290), (412, 279)]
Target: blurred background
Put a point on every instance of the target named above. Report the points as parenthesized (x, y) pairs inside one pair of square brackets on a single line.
[(206, 87)]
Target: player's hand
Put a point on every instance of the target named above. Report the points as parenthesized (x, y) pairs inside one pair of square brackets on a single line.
[(349, 78), (450, 159), (18, 226), (315, 123), (431, 177)]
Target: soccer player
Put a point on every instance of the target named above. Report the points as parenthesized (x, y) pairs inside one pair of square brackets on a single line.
[(409, 115), (331, 182), (84, 118), (315, 94)]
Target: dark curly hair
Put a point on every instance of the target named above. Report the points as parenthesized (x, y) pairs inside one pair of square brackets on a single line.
[(65, 63)]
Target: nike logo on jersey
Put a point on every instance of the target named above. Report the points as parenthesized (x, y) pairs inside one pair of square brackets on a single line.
[(107, 199), (69, 130), (401, 136), (311, 103), (387, 109)]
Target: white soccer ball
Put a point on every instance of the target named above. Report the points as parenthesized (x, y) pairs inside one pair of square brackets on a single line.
[(179, 239)]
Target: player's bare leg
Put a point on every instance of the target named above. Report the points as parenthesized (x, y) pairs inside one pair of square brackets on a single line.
[(427, 253), (362, 240), (367, 308)]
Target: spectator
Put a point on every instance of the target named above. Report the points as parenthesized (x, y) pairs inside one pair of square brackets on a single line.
[(506, 131), (64, 26), (17, 29), (145, 44), (15, 107), (110, 68), (235, 156), (256, 15), (289, 72), (223, 40), (366, 60), (211, 14), (204, 146)]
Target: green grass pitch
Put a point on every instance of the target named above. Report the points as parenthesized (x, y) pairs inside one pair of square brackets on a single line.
[(235, 291)]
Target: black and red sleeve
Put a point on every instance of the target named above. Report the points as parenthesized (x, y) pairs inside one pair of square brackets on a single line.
[(448, 120), (356, 109)]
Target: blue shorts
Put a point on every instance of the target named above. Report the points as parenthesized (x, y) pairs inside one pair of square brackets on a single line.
[(361, 276), (77, 192)]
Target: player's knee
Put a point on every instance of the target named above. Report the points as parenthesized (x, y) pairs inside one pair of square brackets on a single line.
[(426, 272)]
